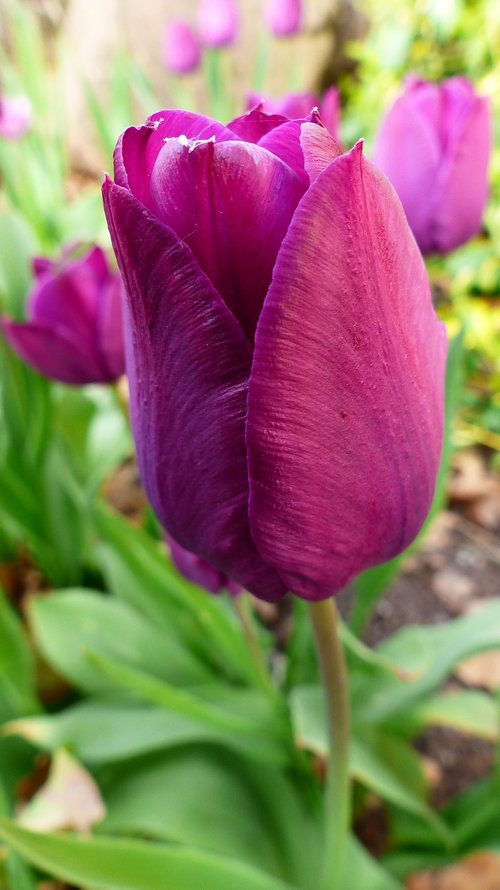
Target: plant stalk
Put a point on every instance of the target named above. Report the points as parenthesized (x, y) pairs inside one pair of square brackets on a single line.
[(325, 622)]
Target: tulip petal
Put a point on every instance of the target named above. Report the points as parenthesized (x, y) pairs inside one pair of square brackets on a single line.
[(285, 142), (138, 148), (188, 365), (231, 202), (253, 126), (319, 149), (461, 189), (54, 353), (413, 167), (346, 390)]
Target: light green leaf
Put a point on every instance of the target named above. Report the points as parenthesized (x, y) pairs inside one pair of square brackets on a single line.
[(17, 681), (380, 762), (468, 710), (69, 623), (365, 873), (105, 864), (17, 247)]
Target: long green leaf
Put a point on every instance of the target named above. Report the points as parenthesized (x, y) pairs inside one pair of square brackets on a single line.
[(131, 865)]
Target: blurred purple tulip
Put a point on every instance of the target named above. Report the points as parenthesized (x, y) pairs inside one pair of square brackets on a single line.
[(218, 23), (75, 330), (197, 570), (434, 145), (15, 117), (181, 48), (283, 17), (297, 105), (285, 362)]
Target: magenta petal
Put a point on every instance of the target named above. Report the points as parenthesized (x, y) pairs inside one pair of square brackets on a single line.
[(346, 391), (138, 148), (462, 184), (55, 353), (231, 202), (253, 126), (330, 111), (284, 142), (189, 364), (319, 149), (199, 571)]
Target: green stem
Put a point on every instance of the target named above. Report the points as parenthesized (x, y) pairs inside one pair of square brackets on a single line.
[(325, 622), (244, 611)]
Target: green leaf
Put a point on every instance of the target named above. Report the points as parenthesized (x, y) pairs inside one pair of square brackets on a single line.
[(202, 796), (17, 247), (469, 710), (19, 873), (370, 585), (139, 572), (108, 864), (17, 680), (429, 655), (220, 712), (380, 762), (69, 623), (366, 873)]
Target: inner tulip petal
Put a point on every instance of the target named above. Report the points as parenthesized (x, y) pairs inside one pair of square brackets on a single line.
[(346, 390), (232, 203)]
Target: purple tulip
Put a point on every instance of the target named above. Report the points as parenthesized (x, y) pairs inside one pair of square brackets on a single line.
[(285, 362), (15, 117), (434, 145), (218, 23), (181, 48), (298, 105), (75, 332), (283, 17), (196, 569)]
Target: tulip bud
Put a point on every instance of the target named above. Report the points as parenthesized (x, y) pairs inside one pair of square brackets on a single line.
[(15, 117), (286, 365), (199, 571), (283, 17), (74, 332), (181, 49), (434, 145), (217, 23)]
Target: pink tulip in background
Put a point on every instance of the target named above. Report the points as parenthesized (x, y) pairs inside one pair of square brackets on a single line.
[(15, 117), (218, 22), (434, 145), (283, 17), (74, 331), (181, 48), (297, 105), (286, 366)]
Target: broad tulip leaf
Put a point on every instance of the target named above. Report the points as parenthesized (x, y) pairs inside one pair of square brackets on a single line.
[(105, 864), (68, 623), (366, 873), (469, 710), (380, 762)]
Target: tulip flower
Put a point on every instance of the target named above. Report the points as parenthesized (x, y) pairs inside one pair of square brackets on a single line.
[(181, 48), (286, 365), (434, 145), (15, 117), (74, 332), (218, 22), (199, 571), (297, 105), (283, 17)]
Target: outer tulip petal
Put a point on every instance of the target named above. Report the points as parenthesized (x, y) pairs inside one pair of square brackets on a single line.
[(54, 353), (284, 142), (231, 202), (110, 328), (253, 126), (345, 396), (67, 301), (198, 570), (189, 364), (330, 111)]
